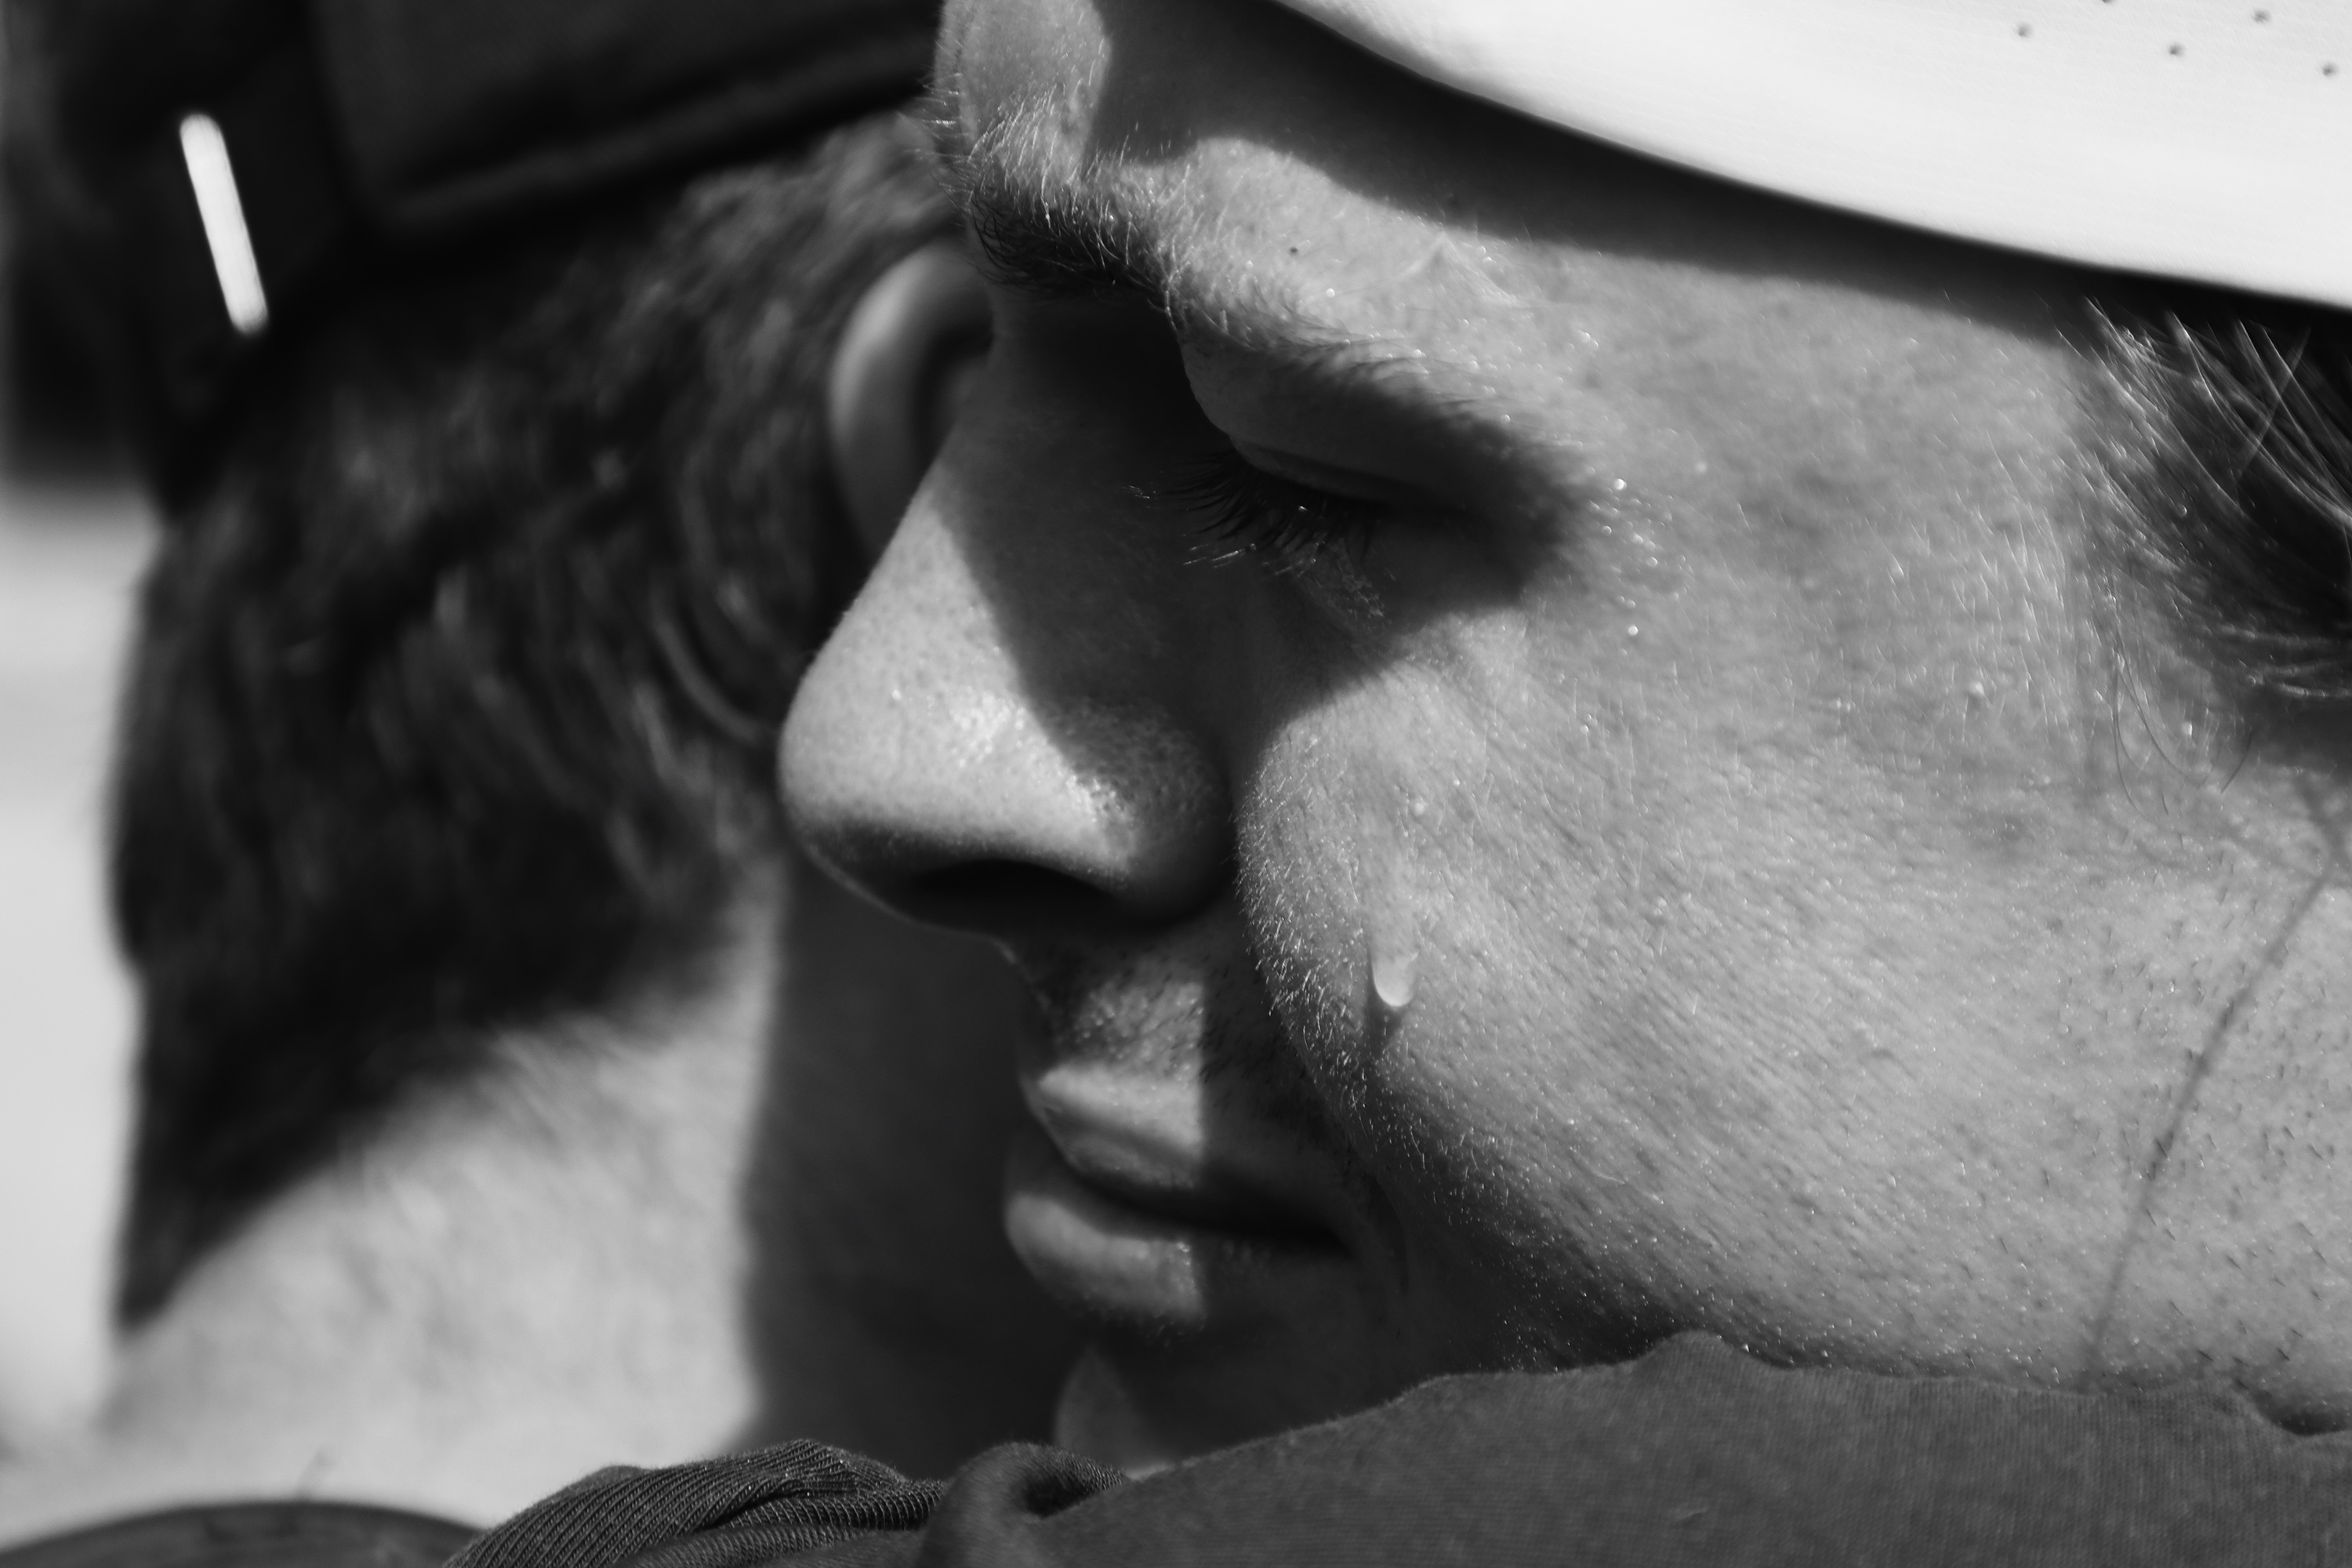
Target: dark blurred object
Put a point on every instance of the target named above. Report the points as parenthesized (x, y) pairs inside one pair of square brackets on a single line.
[(201, 173), (55, 425)]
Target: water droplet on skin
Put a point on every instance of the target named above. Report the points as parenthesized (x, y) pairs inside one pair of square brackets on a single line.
[(1393, 940), (1392, 976)]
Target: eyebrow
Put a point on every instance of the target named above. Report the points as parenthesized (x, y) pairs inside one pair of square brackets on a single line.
[(1024, 240), (1077, 244), (1055, 244), (1071, 240)]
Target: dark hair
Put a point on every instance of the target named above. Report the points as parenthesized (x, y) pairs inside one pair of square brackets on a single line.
[(454, 699), (2226, 448)]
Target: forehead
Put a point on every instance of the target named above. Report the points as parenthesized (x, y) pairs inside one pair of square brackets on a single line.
[(1273, 181), (1102, 125)]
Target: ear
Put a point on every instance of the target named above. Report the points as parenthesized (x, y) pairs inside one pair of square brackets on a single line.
[(910, 352)]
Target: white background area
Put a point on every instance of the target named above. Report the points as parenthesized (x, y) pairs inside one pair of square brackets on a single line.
[(68, 559)]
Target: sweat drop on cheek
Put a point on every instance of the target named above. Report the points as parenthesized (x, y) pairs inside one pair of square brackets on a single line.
[(1392, 975), (1392, 933)]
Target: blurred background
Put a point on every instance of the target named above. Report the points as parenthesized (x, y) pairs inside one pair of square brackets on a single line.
[(74, 532)]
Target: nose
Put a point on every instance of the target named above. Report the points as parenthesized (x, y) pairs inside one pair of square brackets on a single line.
[(996, 736)]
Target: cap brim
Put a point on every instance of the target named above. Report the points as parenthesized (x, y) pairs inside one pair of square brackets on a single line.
[(2193, 140)]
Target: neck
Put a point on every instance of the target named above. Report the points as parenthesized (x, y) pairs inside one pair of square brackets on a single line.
[(526, 1276)]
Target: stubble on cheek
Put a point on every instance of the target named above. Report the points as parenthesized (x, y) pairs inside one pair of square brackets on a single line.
[(1335, 862)]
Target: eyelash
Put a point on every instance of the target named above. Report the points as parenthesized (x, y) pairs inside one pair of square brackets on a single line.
[(1251, 515)]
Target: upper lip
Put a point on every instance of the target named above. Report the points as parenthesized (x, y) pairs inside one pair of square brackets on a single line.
[(1143, 1141)]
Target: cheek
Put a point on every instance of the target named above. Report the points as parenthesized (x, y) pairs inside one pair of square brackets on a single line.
[(1690, 990), (1437, 860)]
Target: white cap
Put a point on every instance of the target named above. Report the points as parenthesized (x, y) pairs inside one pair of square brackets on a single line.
[(2206, 140)]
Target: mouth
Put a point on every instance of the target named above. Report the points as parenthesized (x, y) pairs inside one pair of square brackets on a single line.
[(1126, 1214)]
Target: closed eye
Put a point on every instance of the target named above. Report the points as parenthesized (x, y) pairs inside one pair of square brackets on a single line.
[(1249, 513)]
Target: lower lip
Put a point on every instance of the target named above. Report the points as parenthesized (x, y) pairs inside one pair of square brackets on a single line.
[(1119, 1265)]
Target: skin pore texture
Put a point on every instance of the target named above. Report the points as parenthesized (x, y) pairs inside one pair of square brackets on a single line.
[(1642, 822), (757, 1204)]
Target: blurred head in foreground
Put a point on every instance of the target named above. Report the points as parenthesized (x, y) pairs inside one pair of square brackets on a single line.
[(511, 1098), (1594, 707)]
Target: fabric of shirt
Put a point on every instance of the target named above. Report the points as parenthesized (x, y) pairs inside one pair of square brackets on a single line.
[(253, 1535), (1693, 1455)]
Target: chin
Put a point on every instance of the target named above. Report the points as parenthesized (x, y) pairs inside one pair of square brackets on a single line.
[(1208, 1325)]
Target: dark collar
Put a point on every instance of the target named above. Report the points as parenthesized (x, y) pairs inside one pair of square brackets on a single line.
[(253, 1535)]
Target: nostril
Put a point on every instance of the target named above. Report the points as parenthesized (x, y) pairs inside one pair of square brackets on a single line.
[(1008, 897)]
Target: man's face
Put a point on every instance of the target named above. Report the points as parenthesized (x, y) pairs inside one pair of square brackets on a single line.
[(1534, 723)]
